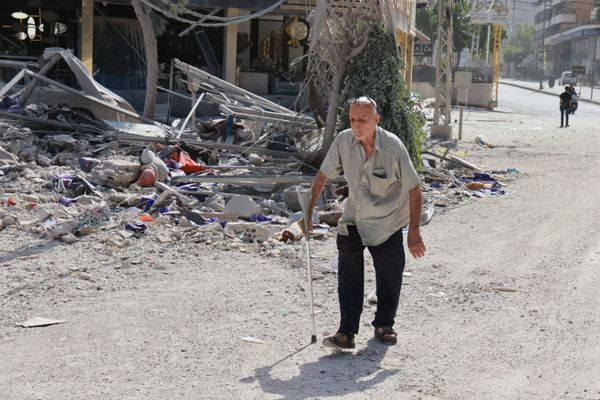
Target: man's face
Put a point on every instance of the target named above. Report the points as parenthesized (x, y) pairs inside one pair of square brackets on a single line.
[(363, 120)]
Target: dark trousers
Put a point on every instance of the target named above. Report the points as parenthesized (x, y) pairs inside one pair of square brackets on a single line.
[(564, 113), (388, 260)]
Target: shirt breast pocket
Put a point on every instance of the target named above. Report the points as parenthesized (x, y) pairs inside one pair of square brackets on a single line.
[(379, 186)]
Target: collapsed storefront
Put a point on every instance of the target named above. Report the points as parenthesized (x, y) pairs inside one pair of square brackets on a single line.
[(264, 54)]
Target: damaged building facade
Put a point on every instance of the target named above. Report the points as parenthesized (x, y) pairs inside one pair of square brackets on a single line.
[(262, 54), (92, 165)]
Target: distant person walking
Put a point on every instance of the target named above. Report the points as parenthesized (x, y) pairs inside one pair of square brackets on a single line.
[(565, 106)]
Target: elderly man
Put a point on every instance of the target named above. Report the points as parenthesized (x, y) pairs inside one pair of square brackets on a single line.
[(384, 196)]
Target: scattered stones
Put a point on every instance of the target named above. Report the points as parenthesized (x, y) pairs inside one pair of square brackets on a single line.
[(116, 173), (69, 238), (242, 206)]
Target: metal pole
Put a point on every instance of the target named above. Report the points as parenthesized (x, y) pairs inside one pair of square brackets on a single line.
[(487, 45), (512, 27), (185, 121), (594, 63), (171, 86), (460, 122), (304, 200), (543, 69), (462, 110), (193, 114)]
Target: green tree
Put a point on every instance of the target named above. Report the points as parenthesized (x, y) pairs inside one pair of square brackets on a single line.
[(426, 21), (461, 27), (596, 15), (520, 45), (383, 82)]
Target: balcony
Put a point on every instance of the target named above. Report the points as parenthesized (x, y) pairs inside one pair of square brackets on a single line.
[(563, 18), (568, 3), (541, 16)]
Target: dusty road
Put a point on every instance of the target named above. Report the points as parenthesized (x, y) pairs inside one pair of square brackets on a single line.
[(170, 326)]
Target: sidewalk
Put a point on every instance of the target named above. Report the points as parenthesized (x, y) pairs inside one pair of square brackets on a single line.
[(584, 96)]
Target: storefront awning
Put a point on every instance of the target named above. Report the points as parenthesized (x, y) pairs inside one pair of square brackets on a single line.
[(581, 32), (423, 38)]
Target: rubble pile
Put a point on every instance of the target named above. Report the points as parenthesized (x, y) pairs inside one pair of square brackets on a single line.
[(67, 173), (71, 186), (450, 181), (68, 186)]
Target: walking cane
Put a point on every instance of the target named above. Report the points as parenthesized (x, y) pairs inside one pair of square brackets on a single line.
[(304, 200)]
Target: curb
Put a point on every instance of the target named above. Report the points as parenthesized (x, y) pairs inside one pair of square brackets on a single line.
[(597, 102)]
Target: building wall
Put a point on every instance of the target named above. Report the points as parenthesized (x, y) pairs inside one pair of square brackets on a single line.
[(563, 17), (522, 12)]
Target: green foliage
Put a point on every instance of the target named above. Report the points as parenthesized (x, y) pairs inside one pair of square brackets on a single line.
[(461, 26), (376, 73), (426, 21), (520, 45)]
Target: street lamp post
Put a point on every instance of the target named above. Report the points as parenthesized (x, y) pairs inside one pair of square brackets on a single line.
[(543, 48)]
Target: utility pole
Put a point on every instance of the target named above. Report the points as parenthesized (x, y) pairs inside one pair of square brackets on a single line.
[(512, 26), (443, 71), (543, 69)]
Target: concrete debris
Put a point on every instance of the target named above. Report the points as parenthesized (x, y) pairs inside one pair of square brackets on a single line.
[(230, 181), (69, 238), (7, 158), (116, 173), (482, 140), (39, 322), (242, 206), (251, 339), (57, 230)]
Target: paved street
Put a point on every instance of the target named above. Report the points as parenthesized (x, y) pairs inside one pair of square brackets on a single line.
[(585, 92)]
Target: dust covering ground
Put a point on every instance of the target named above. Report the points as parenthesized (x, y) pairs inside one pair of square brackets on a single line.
[(505, 304)]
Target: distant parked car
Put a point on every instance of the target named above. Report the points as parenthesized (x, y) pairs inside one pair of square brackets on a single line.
[(567, 78)]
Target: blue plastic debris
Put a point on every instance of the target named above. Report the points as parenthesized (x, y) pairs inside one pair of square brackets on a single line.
[(65, 201), (136, 228), (259, 218)]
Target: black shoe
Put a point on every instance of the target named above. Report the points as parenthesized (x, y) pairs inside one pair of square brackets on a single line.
[(386, 335), (560, 126), (566, 126), (340, 341)]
